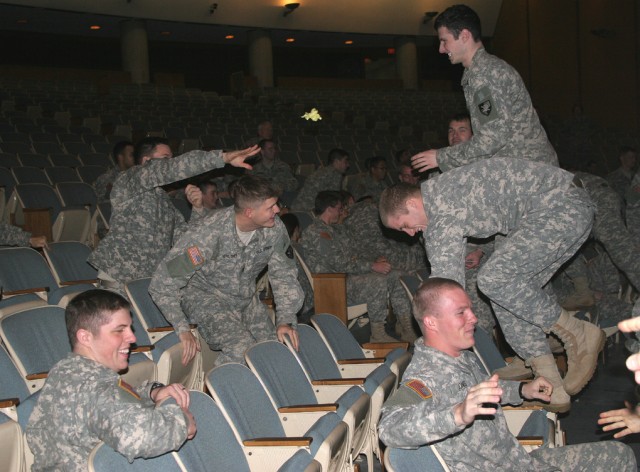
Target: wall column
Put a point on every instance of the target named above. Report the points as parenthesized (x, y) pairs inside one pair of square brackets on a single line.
[(407, 61), (261, 57), (135, 50)]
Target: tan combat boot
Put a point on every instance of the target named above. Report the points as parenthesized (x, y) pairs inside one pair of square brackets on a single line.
[(582, 295), (407, 332), (379, 335), (515, 370), (582, 341), (545, 366)]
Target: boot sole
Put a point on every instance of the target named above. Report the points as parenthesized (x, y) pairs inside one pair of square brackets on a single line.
[(585, 380)]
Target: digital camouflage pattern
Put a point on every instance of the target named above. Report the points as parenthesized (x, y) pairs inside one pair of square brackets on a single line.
[(545, 218), (609, 228), (327, 249), (13, 236), (83, 403), (421, 412), (504, 122), (365, 186), (279, 174), (480, 303), (367, 237), (144, 223), (324, 178), (209, 278), (104, 182), (621, 181)]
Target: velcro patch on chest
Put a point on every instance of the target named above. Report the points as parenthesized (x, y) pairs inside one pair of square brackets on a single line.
[(420, 388), (128, 388)]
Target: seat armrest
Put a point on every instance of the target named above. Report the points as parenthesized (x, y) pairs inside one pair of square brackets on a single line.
[(530, 440), (143, 348), (160, 329), (9, 402), (78, 282), (391, 345), (308, 408), (347, 381), (37, 376), (302, 441), (26, 290), (363, 360)]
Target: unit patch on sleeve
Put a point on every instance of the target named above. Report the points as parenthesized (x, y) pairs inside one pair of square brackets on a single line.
[(420, 388)]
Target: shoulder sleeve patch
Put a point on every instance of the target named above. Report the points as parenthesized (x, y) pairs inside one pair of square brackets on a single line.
[(186, 262), (289, 252), (486, 105), (420, 388), (195, 256), (325, 235)]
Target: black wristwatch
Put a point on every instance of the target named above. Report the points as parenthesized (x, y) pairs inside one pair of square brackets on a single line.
[(155, 385)]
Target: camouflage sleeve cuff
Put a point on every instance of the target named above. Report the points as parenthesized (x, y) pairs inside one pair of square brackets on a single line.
[(511, 392), (181, 327)]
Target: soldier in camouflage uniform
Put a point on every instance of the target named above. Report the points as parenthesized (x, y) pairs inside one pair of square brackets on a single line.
[(370, 280), (621, 178), (326, 178), (545, 218), (123, 157), (144, 223), (273, 169), (446, 400), (372, 183), (209, 276), (505, 124), (13, 236), (84, 400)]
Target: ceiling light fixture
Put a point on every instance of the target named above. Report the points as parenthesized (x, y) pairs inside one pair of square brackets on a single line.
[(290, 40), (95, 27), (229, 36), (289, 7)]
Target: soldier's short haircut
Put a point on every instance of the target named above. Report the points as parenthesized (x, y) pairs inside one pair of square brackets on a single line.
[(625, 149), (146, 146), (119, 149), (371, 162), (91, 309), (463, 116), (250, 190), (393, 200), (204, 184), (326, 199), (457, 18), (264, 141), (336, 154), (428, 296)]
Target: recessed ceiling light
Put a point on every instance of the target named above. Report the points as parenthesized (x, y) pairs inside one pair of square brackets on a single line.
[(165, 33), (348, 41), (229, 36), (22, 21), (95, 27), (290, 40)]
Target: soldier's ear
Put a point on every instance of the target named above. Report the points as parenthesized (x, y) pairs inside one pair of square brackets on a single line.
[(83, 337), (429, 322)]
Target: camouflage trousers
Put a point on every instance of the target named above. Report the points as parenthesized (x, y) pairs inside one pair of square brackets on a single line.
[(620, 244), (551, 230), (603, 455), (370, 289), (231, 331), (479, 302)]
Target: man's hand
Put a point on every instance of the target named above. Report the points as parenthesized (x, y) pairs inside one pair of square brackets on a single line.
[(194, 196), (425, 160), (626, 418), (473, 405), (381, 267), (237, 158), (175, 390), (537, 389), (191, 423), (473, 259), (285, 329), (190, 345), (38, 241)]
